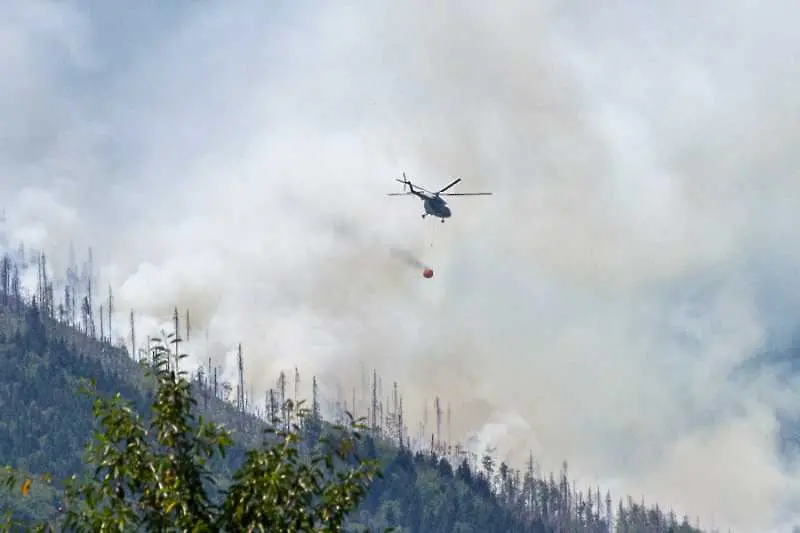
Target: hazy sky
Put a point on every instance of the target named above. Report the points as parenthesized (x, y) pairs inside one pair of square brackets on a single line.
[(234, 158)]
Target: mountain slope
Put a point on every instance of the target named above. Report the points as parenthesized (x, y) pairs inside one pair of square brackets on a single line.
[(45, 424)]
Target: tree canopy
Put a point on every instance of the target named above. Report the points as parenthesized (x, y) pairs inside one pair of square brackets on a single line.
[(154, 474)]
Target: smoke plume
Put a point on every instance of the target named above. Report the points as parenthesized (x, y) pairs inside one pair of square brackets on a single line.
[(233, 159)]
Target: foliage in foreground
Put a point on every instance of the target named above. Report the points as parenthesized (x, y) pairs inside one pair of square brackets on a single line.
[(154, 475)]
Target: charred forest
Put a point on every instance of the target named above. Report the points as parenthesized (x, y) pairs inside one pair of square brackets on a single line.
[(57, 329)]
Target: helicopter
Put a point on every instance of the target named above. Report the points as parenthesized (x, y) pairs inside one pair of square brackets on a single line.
[(433, 202)]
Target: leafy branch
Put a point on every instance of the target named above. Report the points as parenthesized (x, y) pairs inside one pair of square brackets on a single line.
[(154, 474)]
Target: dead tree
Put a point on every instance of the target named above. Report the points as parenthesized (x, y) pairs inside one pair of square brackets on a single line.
[(110, 314), (438, 409), (5, 277), (133, 337), (240, 386), (282, 398), (177, 340), (88, 318), (374, 404), (16, 288), (315, 412), (400, 430)]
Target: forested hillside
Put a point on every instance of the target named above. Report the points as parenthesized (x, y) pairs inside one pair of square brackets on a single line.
[(47, 349)]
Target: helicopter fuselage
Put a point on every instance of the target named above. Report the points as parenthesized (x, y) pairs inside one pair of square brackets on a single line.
[(435, 206)]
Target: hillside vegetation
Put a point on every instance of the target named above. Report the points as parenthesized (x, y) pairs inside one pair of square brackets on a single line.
[(47, 349)]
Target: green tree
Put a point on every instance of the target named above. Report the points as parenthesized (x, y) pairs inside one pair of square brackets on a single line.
[(155, 475)]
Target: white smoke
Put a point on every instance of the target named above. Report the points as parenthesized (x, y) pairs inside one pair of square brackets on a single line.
[(636, 250)]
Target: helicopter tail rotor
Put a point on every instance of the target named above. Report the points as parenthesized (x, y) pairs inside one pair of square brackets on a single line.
[(405, 183)]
